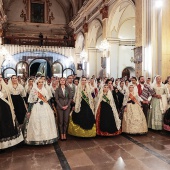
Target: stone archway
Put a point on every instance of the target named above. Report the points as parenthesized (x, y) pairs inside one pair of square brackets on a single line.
[(128, 72), (93, 35)]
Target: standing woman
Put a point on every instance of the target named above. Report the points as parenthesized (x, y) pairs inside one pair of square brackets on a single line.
[(40, 127), (134, 121), (18, 95), (122, 88), (107, 118), (166, 124), (53, 86), (82, 120), (93, 87), (155, 118), (10, 132), (127, 85), (28, 87), (63, 98)]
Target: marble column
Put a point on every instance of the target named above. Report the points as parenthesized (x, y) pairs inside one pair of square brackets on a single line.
[(165, 39), (114, 58), (139, 34), (152, 38)]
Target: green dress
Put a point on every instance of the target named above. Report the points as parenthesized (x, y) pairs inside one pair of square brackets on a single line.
[(155, 117)]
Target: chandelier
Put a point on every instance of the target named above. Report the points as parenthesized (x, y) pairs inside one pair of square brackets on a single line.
[(104, 45)]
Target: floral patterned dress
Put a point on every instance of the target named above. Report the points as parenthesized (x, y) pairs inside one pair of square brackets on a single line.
[(155, 117), (134, 121)]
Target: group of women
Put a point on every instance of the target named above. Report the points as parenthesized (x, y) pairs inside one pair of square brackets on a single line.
[(37, 111)]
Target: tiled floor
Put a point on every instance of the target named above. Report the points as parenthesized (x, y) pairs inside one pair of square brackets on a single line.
[(123, 152)]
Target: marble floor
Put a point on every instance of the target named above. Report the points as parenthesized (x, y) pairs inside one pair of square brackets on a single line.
[(123, 152)]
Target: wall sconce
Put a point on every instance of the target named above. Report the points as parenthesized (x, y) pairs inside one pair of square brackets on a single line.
[(51, 17), (23, 15)]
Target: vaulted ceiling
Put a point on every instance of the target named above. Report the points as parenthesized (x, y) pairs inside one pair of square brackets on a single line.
[(63, 11)]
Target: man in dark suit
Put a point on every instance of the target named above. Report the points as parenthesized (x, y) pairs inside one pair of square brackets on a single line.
[(63, 98)]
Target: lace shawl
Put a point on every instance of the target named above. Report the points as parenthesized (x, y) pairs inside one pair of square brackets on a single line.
[(78, 97), (111, 103)]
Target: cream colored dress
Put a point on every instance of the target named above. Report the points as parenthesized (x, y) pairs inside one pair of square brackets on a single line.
[(134, 121), (40, 128)]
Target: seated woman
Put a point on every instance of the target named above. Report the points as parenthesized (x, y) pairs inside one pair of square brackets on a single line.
[(10, 132), (134, 121), (40, 127), (107, 119), (82, 120)]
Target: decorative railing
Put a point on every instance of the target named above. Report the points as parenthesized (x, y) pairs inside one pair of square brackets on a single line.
[(65, 42)]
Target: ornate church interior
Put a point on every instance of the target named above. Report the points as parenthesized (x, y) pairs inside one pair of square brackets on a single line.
[(110, 39)]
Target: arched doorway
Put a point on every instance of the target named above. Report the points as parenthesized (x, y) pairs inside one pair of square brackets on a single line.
[(57, 69), (22, 69), (40, 66), (67, 72), (8, 72), (128, 72)]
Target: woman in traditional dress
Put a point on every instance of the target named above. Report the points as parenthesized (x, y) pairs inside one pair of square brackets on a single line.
[(134, 121), (121, 87), (18, 95), (107, 119), (127, 85), (93, 87), (82, 120), (47, 87), (158, 104), (40, 127), (118, 98), (53, 86), (166, 124), (28, 87), (10, 132)]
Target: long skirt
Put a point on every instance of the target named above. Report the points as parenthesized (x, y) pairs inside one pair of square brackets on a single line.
[(20, 108), (40, 127), (105, 121), (10, 133), (82, 124), (155, 117), (166, 123), (134, 121)]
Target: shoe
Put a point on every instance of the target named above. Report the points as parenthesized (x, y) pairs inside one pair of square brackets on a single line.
[(64, 137)]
